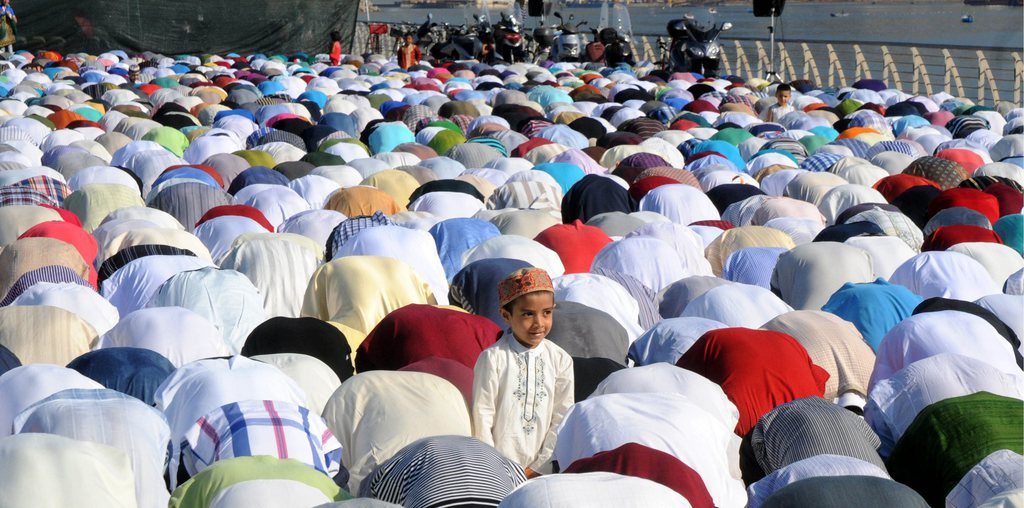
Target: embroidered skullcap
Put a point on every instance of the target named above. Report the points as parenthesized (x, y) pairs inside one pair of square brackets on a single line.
[(523, 281)]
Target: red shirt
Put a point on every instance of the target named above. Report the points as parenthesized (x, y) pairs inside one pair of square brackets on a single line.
[(335, 52)]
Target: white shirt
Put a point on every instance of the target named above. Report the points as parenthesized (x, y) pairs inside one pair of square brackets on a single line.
[(934, 333), (520, 397), (1002, 471), (775, 112), (894, 403), (667, 422), (813, 467), (598, 489), (666, 378)]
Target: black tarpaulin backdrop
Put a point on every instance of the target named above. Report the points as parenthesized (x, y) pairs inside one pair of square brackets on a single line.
[(189, 26)]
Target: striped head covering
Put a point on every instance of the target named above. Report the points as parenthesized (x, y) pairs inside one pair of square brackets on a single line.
[(679, 175), (521, 282), (807, 427), (643, 127), (280, 136), (253, 139)]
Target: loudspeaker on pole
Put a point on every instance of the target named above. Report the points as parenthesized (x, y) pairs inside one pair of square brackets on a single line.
[(763, 8), (535, 8)]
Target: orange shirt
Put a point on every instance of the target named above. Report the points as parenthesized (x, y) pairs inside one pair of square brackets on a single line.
[(409, 56)]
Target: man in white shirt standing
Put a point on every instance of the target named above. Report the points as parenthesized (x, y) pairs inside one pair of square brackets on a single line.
[(523, 384)]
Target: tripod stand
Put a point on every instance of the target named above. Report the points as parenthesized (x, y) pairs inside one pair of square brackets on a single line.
[(771, 75)]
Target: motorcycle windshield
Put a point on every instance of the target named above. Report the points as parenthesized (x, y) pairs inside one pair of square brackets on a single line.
[(703, 33), (620, 20), (517, 12)]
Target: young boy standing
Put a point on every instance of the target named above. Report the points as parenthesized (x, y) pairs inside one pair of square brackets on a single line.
[(409, 54), (523, 384), (781, 107)]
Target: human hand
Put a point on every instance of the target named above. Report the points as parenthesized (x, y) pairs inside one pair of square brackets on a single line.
[(531, 474)]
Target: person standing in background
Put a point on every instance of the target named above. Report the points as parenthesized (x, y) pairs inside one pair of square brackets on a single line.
[(781, 107), (409, 54), (8, 27), (335, 48)]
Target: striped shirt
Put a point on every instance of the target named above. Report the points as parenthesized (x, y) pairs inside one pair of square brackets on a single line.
[(51, 273), (444, 471), (808, 427), (129, 254), (644, 296)]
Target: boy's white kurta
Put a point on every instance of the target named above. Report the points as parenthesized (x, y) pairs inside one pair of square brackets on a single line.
[(520, 396)]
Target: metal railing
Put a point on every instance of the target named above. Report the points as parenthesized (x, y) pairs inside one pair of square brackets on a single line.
[(984, 75)]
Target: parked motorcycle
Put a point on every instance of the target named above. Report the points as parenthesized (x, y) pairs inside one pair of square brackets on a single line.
[(459, 43), (509, 45), (610, 47), (694, 46), (543, 38), (427, 35), (561, 42), (612, 43)]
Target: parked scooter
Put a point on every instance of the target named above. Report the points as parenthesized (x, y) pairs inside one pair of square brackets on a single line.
[(694, 46)]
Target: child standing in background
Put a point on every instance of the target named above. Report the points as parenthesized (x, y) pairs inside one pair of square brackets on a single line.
[(781, 107), (8, 27), (335, 48), (409, 54)]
